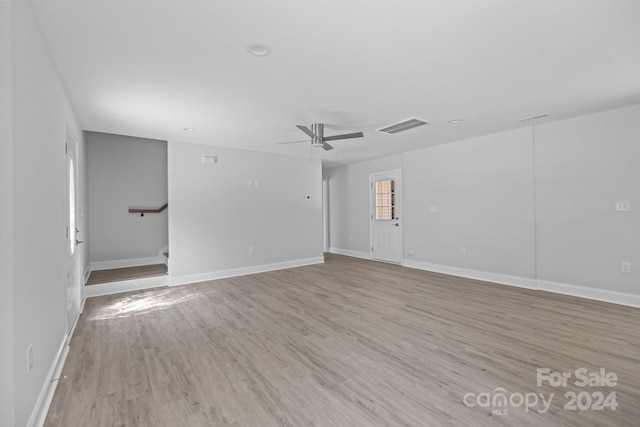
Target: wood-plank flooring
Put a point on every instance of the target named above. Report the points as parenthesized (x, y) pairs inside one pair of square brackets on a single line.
[(345, 343), (126, 273)]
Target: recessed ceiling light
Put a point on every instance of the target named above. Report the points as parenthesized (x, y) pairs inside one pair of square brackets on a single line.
[(258, 49), (189, 129), (455, 121)]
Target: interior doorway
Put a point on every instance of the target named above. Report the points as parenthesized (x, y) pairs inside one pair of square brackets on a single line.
[(385, 214)]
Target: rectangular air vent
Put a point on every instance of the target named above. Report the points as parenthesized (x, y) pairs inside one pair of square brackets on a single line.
[(536, 117), (407, 124)]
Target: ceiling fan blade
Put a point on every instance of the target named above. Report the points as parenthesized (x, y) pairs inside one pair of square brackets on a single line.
[(306, 130), (292, 142), (343, 136), (327, 146)]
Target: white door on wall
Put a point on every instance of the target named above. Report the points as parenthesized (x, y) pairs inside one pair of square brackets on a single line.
[(385, 216), (73, 281)]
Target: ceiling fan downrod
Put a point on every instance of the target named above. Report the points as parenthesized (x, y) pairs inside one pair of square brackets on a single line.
[(318, 134)]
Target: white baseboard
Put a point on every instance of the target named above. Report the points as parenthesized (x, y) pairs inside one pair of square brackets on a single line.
[(243, 271), (86, 275), (503, 279), (159, 281), (123, 263), (614, 297), (41, 408), (125, 286), (348, 252)]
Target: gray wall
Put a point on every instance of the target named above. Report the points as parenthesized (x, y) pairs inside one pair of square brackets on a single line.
[(215, 216), (126, 172), (532, 204), (583, 166), (41, 113), (7, 331), (483, 189)]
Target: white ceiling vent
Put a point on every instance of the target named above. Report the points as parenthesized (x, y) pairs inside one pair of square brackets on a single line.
[(407, 124), (536, 117)]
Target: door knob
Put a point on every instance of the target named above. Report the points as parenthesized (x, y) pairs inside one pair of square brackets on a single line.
[(396, 224), (78, 242)]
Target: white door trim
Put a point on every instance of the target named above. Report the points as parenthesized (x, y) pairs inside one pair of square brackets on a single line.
[(325, 215)]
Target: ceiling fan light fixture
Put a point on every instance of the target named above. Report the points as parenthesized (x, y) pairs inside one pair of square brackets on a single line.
[(316, 133), (455, 121), (258, 49)]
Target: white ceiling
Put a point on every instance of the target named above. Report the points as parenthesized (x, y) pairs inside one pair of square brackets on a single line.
[(150, 68)]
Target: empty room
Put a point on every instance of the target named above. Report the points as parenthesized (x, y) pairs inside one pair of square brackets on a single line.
[(337, 213)]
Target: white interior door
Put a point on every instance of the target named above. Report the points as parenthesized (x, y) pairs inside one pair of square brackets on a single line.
[(385, 216), (73, 280)]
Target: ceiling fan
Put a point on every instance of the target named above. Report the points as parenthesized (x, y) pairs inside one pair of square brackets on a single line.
[(316, 133)]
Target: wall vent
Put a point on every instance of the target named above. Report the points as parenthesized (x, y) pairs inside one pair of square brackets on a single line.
[(539, 116), (407, 124)]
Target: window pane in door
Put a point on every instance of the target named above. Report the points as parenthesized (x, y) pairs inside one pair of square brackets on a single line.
[(385, 209)]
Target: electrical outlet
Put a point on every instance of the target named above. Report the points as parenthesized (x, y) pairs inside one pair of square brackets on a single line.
[(30, 358), (463, 251), (625, 267), (623, 206), (252, 249)]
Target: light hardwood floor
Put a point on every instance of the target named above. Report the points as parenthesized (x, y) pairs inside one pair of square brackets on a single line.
[(126, 273), (346, 343)]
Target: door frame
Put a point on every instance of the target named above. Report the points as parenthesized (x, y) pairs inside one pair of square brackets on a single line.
[(399, 204), (325, 215)]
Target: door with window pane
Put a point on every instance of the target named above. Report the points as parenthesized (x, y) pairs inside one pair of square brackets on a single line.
[(385, 216)]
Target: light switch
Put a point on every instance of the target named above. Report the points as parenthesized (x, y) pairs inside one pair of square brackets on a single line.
[(434, 208), (623, 205), (209, 159)]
